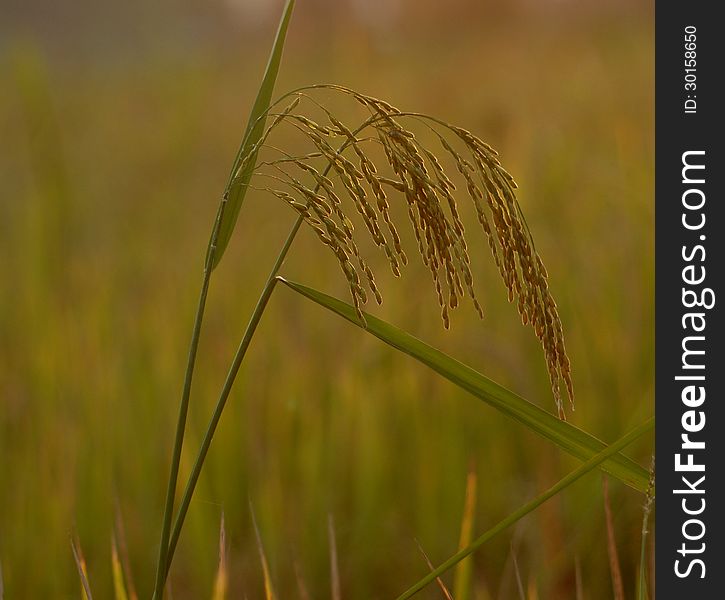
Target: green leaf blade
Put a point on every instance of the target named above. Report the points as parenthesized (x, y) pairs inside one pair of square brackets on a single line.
[(573, 440), (238, 182)]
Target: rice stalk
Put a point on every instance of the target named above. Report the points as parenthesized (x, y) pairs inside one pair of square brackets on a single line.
[(416, 173), (353, 184), (82, 569), (440, 238), (439, 581), (226, 218)]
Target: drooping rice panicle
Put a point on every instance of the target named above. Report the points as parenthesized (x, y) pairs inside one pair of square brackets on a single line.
[(419, 175)]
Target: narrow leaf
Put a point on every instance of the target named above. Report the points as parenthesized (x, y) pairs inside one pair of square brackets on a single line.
[(462, 580), (122, 547), (119, 587), (82, 570), (268, 588), (573, 440), (439, 581), (237, 186)]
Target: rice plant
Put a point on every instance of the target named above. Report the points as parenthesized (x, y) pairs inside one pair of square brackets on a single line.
[(340, 178), (416, 174)]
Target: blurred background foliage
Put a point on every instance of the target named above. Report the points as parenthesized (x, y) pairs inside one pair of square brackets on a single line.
[(118, 124)]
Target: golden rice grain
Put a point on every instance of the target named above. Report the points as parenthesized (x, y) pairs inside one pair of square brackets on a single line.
[(420, 176)]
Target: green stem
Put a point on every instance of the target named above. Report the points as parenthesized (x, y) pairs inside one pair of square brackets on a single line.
[(184, 406), (224, 395), (532, 505), (231, 376)]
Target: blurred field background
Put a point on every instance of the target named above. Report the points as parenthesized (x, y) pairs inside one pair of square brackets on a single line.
[(118, 125)]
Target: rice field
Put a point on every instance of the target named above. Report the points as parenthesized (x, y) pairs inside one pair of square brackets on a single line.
[(115, 152)]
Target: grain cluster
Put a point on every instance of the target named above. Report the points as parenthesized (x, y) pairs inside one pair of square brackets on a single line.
[(349, 179)]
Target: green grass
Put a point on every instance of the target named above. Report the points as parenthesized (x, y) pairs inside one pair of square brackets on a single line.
[(323, 419)]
